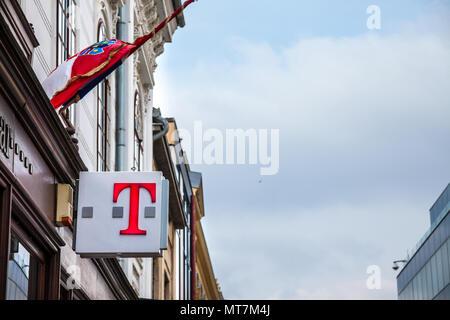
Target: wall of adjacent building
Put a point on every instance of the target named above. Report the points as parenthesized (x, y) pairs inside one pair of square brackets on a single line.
[(426, 274)]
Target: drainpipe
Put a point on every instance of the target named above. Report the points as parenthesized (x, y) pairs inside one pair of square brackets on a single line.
[(157, 118), (122, 92), (193, 251)]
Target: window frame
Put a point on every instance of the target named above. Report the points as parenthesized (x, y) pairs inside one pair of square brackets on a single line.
[(37, 273), (67, 40)]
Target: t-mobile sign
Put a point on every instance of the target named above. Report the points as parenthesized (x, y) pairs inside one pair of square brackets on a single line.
[(122, 214)]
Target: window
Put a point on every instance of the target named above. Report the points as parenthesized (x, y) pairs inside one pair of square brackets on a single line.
[(138, 159), (18, 272), (417, 284), (423, 277), (65, 40), (187, 266), (173, 156), (178, 267), (429, 281), (419, 295), (103, 119), (446, 262), (67, 290), (65, 31)]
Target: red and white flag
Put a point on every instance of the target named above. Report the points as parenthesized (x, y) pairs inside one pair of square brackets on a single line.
[(76, 76)]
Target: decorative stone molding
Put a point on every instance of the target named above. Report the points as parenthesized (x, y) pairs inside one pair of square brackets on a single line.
[(117, 3), (102, 5), (147, 96)]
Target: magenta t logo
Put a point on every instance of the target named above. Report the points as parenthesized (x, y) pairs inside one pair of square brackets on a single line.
[(133, 224)]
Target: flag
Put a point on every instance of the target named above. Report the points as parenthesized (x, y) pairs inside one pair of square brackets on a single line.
[(76, 76)]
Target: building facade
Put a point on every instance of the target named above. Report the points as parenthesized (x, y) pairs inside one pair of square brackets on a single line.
[(198, 280), (114, 128), (426, 274)]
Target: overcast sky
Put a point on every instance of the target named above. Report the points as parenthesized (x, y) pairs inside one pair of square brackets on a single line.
[(364, 119)]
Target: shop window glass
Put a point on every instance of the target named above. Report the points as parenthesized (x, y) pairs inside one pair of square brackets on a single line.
[(429, 281), (447, 264), (23, 268), (440, 273)]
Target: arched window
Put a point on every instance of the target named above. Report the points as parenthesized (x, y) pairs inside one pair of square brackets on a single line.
[(138, 161), (103, 119)]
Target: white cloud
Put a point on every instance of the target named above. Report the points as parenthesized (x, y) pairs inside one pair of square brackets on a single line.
[(364, 127), (311, 251)]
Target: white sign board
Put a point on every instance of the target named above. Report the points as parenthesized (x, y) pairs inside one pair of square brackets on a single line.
[(121, 214)]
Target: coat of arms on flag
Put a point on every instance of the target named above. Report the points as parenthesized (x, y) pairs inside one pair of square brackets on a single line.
[(76, 76)]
